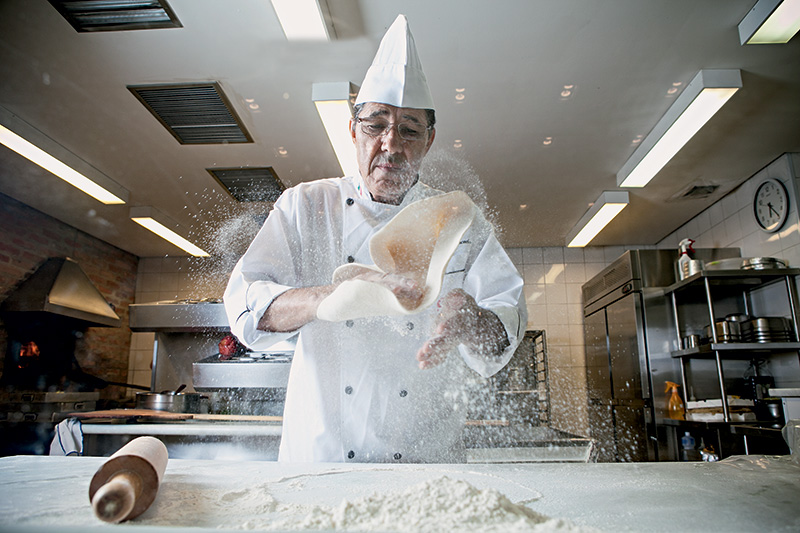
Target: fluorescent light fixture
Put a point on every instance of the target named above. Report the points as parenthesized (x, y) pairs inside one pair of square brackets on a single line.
[(702, 98), (770, 22), (154, 220), (33, 145), (301, 20), (597, 217), (334, 103)]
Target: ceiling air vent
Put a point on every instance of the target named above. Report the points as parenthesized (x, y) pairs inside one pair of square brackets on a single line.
[(117, 15), (700, 191), (249, 184), (694, 191), (196, 113)]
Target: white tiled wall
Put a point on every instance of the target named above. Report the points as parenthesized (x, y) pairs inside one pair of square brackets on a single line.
[(553, 278), (730, 221)]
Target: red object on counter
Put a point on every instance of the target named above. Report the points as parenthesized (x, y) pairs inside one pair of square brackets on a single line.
[(228, 347)]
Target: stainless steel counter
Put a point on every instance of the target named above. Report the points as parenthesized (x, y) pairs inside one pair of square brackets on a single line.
[(757, 493), (190, 439)]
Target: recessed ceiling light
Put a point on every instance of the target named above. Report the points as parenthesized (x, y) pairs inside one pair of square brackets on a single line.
[(567, 91)]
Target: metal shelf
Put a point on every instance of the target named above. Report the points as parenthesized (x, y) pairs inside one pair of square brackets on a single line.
[(739, 277), (743, 281), (178, 317), (735, 350)]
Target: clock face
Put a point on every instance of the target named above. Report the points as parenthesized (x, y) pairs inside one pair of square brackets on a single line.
[(771, 205)]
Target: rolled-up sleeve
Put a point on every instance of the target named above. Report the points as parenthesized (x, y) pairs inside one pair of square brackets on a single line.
[(266, 271), (245, 304), (496, 285)]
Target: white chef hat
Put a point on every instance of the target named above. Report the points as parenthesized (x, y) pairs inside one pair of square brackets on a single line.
[(396, 77)]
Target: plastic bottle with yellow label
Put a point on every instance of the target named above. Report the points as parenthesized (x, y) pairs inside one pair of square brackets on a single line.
[(675, 408)]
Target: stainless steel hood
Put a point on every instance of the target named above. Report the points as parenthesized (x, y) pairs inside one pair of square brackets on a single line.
[(61, 287)]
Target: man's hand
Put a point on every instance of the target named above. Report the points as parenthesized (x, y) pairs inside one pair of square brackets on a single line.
[(463, 321), (297, 307), (407, 290)]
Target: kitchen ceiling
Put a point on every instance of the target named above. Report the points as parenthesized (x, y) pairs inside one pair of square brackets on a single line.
[(511, 127)]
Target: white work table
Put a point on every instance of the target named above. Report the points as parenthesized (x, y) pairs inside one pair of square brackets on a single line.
[(754, 493)]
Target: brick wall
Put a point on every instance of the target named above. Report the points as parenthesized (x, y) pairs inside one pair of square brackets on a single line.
[(27, 238)]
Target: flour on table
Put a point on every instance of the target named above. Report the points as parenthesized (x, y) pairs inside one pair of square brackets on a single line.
[(436, 505)]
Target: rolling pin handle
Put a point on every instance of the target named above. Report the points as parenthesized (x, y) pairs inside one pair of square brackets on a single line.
[(114, 501)]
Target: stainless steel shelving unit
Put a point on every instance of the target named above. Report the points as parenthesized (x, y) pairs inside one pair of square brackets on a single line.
[(742, 281)]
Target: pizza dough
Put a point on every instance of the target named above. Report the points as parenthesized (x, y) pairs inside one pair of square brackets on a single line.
[(417, 243)]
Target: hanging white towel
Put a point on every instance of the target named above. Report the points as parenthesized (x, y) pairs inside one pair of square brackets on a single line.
[(68, 438)]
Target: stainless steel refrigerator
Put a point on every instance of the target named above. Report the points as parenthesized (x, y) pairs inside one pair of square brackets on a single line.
[(628, 338)]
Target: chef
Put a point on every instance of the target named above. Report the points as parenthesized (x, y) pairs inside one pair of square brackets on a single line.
[(388, 329)]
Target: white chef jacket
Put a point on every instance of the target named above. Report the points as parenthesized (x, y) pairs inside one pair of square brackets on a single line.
[(355, 390)]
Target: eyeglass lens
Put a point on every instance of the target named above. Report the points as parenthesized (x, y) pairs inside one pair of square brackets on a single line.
[(407, 130)]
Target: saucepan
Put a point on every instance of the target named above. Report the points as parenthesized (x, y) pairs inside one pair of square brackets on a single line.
[(173, 401)]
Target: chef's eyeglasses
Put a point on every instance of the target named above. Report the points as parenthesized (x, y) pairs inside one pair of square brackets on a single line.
[(408, 131)]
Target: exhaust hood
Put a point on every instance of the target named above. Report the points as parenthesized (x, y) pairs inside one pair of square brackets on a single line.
[(60, 287)]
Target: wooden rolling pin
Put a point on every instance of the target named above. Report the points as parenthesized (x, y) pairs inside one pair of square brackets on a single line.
[(126, 484)]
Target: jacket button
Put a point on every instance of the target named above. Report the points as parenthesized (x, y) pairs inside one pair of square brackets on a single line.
[(398, 456), (350, 201), (403, 393), (410, 326), (349, 323), (351, 454), (351, 259), (348, 390)]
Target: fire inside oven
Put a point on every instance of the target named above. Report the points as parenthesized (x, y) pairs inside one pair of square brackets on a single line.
[(41, 357)]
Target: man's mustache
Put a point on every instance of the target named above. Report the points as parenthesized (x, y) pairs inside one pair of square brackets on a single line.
[(394, 160)]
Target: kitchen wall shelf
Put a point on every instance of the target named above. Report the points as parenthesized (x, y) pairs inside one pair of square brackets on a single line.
[(739, 350), (700, 298), (733, 277)]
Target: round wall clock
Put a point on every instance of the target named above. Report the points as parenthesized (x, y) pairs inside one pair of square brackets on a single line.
[(771, 205)]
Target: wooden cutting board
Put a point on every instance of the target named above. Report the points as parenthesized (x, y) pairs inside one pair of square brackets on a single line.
[(166, 415), (132, 413), (239, 418)]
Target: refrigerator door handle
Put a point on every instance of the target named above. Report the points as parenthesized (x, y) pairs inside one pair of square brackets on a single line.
[(628, 287)]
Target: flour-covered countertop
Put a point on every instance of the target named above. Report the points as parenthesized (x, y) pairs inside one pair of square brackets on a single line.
[(755, 493)]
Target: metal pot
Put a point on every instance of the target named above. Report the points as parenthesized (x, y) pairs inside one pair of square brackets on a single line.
[(174, 402), (726, 331), (763, 263)]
